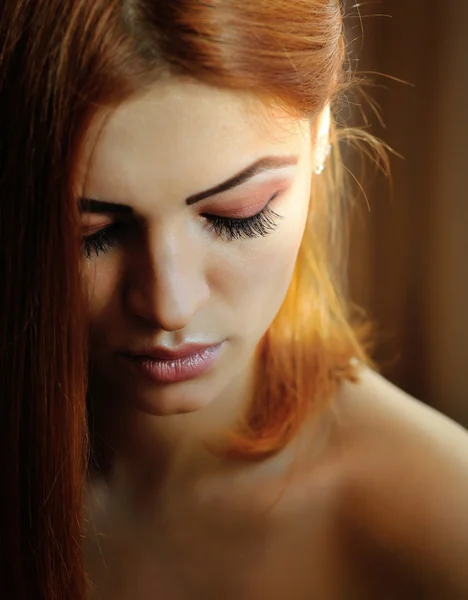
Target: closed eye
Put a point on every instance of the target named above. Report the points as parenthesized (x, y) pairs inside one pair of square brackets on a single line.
[(103, 240), (227, 228), (258, 225)]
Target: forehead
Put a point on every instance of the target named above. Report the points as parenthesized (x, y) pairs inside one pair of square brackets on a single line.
[(182, 129)]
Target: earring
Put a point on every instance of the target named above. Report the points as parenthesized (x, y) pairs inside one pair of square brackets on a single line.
[(320, 169)]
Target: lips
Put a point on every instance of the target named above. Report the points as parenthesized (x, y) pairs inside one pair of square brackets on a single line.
[(172, 365), (165, 353)]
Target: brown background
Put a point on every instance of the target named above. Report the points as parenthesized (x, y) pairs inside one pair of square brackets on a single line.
[(409, 259)]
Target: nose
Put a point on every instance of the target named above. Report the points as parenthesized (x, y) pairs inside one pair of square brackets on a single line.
[(166, 285)]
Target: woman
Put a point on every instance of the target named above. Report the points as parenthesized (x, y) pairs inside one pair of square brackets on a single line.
[(172, 159)]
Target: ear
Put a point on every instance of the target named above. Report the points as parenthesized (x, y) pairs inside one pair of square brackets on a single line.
[(322, 140)]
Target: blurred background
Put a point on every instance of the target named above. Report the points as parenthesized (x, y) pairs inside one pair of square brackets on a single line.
[(409, 258)]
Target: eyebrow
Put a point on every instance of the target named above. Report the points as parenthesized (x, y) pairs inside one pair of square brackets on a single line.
[(89, 205), (267, 163)]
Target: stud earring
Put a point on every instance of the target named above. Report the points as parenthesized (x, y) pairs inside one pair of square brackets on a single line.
[(320, 169)]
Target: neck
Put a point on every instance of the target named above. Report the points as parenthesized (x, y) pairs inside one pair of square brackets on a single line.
[(166, 448)]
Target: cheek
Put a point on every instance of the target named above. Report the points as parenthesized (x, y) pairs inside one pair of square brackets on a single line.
[(101, 286), (256, 277)]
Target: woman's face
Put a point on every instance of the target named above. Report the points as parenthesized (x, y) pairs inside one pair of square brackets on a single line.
[(195, 203)]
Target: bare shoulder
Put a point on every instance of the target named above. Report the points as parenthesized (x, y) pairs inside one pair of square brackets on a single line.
[(375, 408), (407, 482)]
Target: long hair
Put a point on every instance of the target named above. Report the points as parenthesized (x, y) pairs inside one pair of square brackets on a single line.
[(61, 62)]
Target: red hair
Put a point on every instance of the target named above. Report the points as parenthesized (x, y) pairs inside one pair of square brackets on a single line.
[(60, 62)]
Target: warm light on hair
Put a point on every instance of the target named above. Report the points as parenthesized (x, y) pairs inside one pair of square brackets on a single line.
[(61, 61)]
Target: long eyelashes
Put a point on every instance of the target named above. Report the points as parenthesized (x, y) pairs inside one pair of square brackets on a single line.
[(228, 229), (259, 225), (101, 241)]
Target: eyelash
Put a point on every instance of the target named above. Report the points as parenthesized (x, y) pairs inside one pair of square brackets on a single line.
[(259, 225), (101, 241)]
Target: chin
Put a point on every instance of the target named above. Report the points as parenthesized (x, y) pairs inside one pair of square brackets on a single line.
[(164, 403), (172, 398)]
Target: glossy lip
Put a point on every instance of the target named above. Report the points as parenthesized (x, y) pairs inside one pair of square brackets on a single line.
[(164, 353), (167, 365)]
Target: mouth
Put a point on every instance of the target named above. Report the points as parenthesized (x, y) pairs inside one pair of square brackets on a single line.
[(167, 353), (173, 365)]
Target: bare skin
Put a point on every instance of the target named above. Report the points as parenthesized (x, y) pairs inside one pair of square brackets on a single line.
[(370, 505)]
